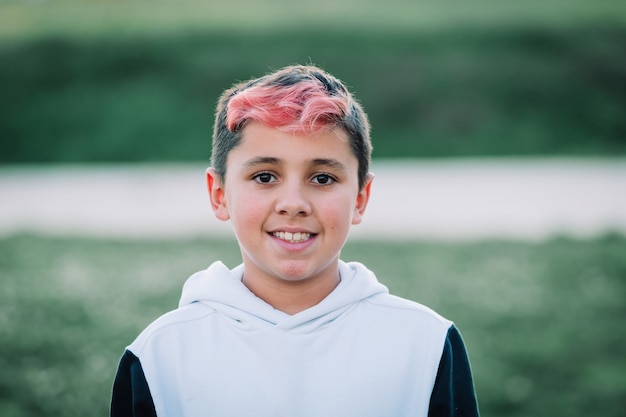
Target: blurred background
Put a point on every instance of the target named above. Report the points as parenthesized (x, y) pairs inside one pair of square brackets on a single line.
[(500, 144)]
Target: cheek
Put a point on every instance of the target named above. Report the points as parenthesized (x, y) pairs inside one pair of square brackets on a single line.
[(248, 213), (245, 209), (338, 212)]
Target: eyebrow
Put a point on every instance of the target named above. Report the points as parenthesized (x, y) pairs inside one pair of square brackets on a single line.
[(329, 162), (269, 160), (261, 160)]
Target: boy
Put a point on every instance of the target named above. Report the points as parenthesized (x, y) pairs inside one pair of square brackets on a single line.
[(293, 331)]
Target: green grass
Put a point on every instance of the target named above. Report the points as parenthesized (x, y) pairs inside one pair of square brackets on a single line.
[(542, 322), (106, 80), (479, 92), (112, 18)]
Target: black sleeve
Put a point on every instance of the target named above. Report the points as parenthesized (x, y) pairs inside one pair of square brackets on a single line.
[(453, 394), (131, 394)]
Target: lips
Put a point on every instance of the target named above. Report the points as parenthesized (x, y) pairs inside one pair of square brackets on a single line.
[(296, 237)]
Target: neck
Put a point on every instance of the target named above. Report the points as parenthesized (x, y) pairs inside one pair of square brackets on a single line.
[(292, 297)]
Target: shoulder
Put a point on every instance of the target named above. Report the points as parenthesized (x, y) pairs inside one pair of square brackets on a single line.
[(410, 323), (387, 307), (178, 323), (408, 310)]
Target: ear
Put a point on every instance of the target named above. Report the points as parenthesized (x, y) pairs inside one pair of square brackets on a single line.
[(362, 198), (217, 195)]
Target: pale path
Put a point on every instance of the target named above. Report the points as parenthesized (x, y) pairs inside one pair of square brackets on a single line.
[(443, 200)]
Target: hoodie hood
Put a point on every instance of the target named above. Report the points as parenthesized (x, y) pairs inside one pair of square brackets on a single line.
[(222, 289)]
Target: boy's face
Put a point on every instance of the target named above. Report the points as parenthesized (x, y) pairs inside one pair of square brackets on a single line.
[(291, 200)]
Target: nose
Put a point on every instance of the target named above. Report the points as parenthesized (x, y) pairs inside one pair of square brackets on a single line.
[(292, 200)]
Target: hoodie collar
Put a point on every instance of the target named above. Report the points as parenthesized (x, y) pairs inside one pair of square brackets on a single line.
[(223, 290)]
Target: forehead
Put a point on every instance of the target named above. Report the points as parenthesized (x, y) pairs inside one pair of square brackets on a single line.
[(261, 141)]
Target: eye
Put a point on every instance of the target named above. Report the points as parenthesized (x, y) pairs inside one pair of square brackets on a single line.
[(323, 179), (264, 178)]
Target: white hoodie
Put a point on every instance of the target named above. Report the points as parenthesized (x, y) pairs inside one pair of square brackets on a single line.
[(225, 352)]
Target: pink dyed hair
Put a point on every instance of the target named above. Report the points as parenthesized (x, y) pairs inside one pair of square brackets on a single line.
[(297, 99), (300, 108)]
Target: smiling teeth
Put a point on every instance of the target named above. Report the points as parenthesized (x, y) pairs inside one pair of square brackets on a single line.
[(292, 237)]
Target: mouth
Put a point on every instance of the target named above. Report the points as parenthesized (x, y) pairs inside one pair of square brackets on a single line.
[(297, 237)]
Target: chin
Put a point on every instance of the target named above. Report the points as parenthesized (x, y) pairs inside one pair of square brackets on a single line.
[(294, 274), (295, 271)]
